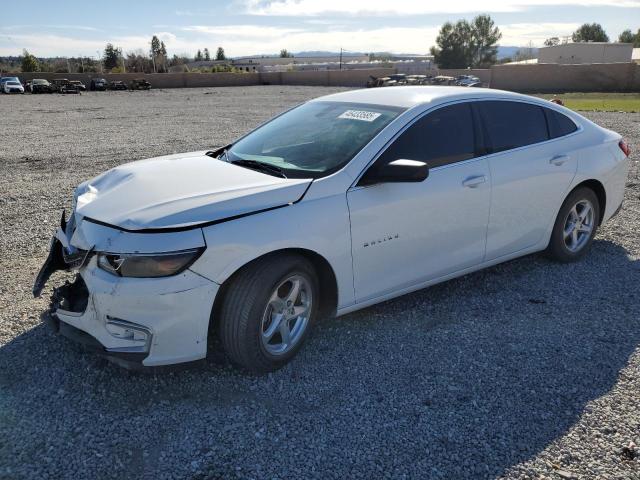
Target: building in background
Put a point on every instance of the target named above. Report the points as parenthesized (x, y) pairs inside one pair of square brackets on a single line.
[(586, 52)]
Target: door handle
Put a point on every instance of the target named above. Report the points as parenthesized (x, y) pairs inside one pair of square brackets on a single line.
[(473, 182), (558, 160)]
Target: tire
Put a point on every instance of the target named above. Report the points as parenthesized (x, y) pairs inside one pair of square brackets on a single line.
[(571, 247), (250, 311)]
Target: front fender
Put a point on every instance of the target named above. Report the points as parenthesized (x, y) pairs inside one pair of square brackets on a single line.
[(320, 225)]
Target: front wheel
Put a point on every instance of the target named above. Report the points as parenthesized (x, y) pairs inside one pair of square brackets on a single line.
[(575, 226), (267, 312)]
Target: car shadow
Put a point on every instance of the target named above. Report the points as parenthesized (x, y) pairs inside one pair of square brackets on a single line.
[(467, 378)]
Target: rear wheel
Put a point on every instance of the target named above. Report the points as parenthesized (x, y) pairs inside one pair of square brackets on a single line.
[(267, 312), (575, 226)]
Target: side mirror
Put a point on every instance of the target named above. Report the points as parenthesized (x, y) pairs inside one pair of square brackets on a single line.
[(399, 171)]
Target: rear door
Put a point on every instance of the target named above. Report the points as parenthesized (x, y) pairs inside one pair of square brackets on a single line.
[(407, 233), (530, 173)]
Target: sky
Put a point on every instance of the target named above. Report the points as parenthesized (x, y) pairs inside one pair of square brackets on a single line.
[(252, 27)]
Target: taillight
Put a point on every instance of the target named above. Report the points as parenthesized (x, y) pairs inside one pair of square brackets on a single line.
[(624, 146)]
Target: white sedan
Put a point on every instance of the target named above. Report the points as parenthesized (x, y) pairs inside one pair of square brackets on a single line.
[(340, 203), (12, 86)]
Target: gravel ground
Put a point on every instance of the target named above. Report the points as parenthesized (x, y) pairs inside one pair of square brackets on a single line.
[(526, 370)]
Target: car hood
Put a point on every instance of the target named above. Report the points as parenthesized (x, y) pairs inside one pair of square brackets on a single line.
[(182, 190)]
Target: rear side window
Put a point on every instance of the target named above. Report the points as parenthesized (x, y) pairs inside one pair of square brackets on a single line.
[(512, 124), (442, 137), (559, 124)]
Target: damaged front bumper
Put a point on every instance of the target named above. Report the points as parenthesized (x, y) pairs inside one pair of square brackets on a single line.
[(135, 322)]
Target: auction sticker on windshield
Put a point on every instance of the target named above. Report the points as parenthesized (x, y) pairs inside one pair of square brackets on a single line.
[(360, 115)]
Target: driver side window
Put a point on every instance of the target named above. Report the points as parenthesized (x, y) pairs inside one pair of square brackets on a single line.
[(441, 137)]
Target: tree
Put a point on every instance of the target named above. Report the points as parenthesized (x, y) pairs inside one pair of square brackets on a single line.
[(465, 44), (111, 56), (484, 38), (198, 57), (452, 45), (552, 42), (138, 61), (220, 54), (29, 63), (284, 53), (590, 33), (626, 37), (207, 56), (629, 37)]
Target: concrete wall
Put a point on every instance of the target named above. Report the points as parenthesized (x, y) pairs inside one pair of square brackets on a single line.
[(586, 52), (159, 80), (329, 78), (349, 78), (612, 77)]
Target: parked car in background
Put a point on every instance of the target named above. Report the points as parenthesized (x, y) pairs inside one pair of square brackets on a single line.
[(63, 85), (79, 85), (399, 78), (98, 84), (417, 79), (140, 84), (467, 80), (374, 82), (39, 85), (443, 80), (117, 85), (3, 80), (12, 86), (343, 202)]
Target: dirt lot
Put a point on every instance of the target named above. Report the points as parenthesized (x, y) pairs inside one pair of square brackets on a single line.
[(526, 370)]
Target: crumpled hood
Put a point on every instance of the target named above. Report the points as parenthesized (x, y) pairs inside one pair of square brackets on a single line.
[(179, 191)]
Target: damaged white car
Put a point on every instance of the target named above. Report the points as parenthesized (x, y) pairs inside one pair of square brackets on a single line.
[(337, 204)]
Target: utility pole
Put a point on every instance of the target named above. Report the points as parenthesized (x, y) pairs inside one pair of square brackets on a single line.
[(340, 58)]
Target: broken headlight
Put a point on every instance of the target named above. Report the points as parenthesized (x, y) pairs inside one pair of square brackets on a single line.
[(148, 265)]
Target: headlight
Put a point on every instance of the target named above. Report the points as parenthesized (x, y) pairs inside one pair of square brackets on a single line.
[(148, 265)]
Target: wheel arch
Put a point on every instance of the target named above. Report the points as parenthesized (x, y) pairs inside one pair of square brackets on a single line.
[(328, 283), (598, 188)]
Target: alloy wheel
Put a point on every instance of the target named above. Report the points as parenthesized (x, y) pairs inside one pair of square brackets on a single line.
[(578, 226), (286, 315)]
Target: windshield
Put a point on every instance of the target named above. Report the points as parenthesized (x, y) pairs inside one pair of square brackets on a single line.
[(314, 139)]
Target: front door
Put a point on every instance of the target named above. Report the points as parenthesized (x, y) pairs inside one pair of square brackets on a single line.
[(404, 234)]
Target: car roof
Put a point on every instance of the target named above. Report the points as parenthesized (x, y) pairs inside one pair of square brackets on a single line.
[(412, 96)]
